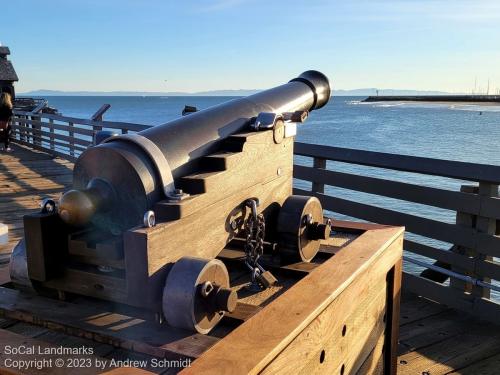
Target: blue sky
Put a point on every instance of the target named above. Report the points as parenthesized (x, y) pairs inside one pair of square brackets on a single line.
[(190, 45)]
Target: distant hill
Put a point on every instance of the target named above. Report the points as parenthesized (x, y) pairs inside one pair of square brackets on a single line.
[(242, 92), (138, 93)]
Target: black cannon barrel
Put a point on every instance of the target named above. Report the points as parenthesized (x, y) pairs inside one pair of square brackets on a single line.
[(133, 171)]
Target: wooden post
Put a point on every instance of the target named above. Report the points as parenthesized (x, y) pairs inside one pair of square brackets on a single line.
[(484, 225), (52, 145), (24, 136), (481, 224), (36, 141), (318, 163), (95, 128), (71, 142), (98, 116), (465, 220)]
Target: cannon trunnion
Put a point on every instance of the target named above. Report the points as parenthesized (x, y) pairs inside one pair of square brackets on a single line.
[(136, 233)]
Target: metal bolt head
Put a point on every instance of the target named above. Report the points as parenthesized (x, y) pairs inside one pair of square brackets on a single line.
[(177, 195), (307, 219), (233, 224), (149, 219), (106, 269), (206, 288), (48, 206)]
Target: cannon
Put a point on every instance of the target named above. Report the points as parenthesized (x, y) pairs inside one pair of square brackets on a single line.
[(149, 213)]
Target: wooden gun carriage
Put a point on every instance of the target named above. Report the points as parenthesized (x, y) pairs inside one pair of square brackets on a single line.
[(149, 214)]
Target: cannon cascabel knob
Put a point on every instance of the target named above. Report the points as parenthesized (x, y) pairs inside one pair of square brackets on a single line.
[(76, 207)]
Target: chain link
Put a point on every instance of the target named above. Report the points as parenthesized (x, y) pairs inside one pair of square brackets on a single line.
[(255, 230)]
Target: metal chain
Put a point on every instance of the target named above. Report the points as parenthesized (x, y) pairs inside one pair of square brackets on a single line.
[(255, 233), (249, 230), (259, 236), (255, 230)]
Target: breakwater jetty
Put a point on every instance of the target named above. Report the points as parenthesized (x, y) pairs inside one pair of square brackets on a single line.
[(436, 98)]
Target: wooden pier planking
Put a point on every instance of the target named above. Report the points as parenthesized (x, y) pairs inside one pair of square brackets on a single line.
[(26, 177), (433, 338)]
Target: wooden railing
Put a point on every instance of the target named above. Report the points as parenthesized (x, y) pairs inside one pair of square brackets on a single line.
[(473, 238), (61, 135)]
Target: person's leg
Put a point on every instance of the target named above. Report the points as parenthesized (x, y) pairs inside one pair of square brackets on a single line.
[(7, 138), (3, 132)]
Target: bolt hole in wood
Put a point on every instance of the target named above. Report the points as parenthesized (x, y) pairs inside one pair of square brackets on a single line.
[(322, 356), (342, 369), (344, 330)]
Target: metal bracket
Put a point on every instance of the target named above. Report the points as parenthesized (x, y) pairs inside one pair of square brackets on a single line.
[(265, 121), (284, 125), (253, 204)]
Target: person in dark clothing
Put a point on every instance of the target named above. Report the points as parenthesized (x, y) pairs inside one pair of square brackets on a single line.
[(5, 115)]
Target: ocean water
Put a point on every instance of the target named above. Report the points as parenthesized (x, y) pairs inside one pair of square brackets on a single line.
[(446, 131), (460, 132)]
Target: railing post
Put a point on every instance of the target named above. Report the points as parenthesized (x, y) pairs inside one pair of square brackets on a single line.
[(465, 220), (98, 116), (24, 124), (481, 224), (37, 138), (52, 145), (34, 136), (488, 226), (318, 163), (71, 142), (95, 129)]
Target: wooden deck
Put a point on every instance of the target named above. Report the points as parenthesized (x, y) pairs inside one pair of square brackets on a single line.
[(433, 338), (26, 177)]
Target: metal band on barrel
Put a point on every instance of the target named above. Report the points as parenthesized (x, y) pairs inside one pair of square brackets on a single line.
[(156, 156)]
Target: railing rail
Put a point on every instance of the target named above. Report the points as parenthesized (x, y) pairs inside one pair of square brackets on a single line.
[(474, 237), (436, 167), (63, 135)]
